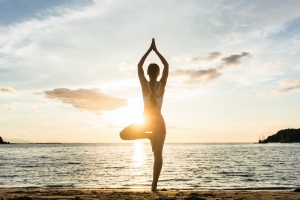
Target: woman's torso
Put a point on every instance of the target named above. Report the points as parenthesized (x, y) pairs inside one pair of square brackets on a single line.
[(153, 98)]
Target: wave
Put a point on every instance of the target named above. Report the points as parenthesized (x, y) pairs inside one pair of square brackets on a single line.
[(73, 163), (60, 186)]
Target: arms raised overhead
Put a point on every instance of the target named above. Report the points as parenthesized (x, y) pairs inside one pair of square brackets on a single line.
[(163, 60)]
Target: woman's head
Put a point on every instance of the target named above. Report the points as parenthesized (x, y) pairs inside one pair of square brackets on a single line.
[(153, 70)]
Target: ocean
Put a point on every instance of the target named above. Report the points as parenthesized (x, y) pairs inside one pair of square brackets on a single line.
[(186, 166)]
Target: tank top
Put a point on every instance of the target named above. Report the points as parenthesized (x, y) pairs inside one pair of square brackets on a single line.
[(158, 98)]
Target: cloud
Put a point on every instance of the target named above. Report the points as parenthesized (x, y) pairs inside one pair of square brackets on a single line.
[(234, 59), (209, 57), (124, 66), (198, 76), (47, 43), (19, 106), (213, 57), (8, 107), (189, 59), (7, 89), (84, 99), (289, 85), (211, 61)]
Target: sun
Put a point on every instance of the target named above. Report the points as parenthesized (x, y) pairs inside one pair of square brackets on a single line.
[(133, 113)]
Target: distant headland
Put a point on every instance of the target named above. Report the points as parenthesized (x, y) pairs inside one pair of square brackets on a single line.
[(2, 141), (284, 136)]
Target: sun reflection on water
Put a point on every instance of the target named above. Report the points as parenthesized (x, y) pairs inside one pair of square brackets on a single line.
[(138, 158), (138, 172)]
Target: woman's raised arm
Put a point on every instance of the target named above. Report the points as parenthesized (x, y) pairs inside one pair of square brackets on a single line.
[(141, 73), (165, 73)]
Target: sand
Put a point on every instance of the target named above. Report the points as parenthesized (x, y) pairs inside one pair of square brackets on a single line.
[(120, 194)]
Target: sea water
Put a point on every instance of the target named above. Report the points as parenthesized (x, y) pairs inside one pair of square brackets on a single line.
[(186, 166)]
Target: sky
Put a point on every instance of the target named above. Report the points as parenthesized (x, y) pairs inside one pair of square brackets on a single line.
[(68, 69)]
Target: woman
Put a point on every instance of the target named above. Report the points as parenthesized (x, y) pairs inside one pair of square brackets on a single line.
[(154, 126)]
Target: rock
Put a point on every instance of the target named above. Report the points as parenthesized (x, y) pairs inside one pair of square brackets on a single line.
[(297, 190), (23, 198), (2, 141), (285, 136), (194, 196)]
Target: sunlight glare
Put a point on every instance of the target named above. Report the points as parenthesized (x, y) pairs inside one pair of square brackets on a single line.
[(130, 114), (138, 166), (138, 157)]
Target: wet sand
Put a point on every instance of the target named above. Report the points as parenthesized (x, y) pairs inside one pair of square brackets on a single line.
[(120, 194)]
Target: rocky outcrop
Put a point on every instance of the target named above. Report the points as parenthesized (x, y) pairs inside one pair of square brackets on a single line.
[(285, 136), (2, 141)]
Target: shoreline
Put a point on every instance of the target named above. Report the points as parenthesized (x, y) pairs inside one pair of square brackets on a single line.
[(96, 193), (279, 189)]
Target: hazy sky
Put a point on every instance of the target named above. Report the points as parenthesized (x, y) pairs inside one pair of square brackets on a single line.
[(68, 68)]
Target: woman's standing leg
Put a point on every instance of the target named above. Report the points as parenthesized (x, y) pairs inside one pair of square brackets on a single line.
[(157, 143)]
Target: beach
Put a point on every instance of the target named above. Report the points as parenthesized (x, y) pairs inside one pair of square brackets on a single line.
[(64, 193)]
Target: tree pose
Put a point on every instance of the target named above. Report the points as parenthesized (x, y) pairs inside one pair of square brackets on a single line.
[(154, 127)]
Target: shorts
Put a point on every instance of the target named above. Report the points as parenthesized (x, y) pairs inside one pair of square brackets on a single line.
[(155, 124)]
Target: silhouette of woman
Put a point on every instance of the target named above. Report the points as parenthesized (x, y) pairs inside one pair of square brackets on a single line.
[(154, 127)]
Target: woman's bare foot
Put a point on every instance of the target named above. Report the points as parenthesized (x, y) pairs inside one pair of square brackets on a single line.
[(154, 187)]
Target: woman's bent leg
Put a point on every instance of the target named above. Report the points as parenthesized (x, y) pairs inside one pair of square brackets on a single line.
[(158, 143), (133, 132)]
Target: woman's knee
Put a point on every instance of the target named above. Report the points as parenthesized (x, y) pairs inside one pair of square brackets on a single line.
[(122, 136), (158, 157), (157, 153), (124, 132)]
